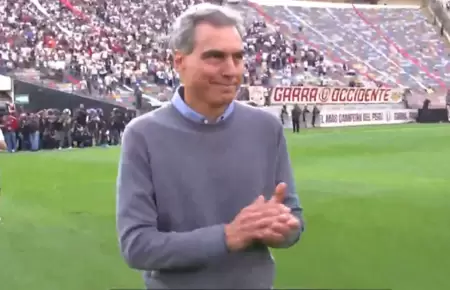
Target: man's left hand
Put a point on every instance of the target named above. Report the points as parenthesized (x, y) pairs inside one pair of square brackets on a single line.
[(278, 232)]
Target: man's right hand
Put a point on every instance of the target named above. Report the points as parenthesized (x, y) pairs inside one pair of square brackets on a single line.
[(248, 225)]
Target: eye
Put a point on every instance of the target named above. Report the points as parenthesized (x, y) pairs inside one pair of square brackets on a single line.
[(213, 55), (238, 56)]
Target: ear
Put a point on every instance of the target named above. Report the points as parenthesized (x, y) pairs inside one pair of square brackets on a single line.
[(179, 60)]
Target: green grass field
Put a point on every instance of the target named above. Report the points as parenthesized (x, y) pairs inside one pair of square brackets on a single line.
[(377, 206)]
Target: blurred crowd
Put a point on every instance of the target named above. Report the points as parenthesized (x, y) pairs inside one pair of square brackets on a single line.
[(109, 48), (55, 129)]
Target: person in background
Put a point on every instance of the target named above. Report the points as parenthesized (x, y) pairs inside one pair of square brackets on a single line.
[(204, 184), (283, 114), (93, 125), (63, 129), (296, 113), (34, 127), (11, 125), (2, 141), (81, 135), (315, 114), (305, 112), (117, 126), (102, 129), (24, 133), (81, 115)]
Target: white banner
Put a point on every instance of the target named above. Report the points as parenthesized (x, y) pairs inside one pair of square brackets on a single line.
[(367, 117)]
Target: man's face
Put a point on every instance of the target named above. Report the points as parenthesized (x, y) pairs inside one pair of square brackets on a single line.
[(215, 67)]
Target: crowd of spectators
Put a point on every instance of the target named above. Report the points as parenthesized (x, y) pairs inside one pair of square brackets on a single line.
[(110, 48)]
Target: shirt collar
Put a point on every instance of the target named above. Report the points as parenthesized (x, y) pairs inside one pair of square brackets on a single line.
[(186, 111)]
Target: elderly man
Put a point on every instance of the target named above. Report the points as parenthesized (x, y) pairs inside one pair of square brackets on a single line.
[(205, 185)]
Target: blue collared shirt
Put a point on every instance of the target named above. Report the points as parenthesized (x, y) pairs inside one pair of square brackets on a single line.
[(186, 111)]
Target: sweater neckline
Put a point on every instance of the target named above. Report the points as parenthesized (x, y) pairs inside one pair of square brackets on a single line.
[(209, 127)]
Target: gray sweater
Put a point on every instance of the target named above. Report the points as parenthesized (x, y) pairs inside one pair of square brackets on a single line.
[(180, 181)]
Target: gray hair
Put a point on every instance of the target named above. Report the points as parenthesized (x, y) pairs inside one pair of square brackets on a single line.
[(182, 37)]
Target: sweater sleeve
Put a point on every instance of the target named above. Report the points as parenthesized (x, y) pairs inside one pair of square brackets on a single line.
[(284, 174), (141, 244)]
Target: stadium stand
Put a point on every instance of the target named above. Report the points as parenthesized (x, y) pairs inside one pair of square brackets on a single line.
[(382, 43), (105, 48), (110, 50)]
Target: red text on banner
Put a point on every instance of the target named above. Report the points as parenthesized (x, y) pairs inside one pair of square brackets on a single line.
[(334, 95)]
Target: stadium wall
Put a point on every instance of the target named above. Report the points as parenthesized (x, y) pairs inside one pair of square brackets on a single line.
[(338, 106), (40, 97), (369, 115)]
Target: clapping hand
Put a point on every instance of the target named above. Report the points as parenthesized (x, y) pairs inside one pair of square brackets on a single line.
[(280, 228), (267, 221)]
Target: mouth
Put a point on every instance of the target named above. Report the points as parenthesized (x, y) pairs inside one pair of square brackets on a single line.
[(222, 84), (225, 86)]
